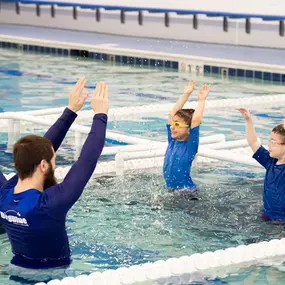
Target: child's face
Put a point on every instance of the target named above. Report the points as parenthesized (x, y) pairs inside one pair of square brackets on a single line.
[(179, 132), (276, 145)]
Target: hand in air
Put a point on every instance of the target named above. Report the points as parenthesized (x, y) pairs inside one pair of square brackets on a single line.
[(76, 101), (203, 93), (245, 113), (100, 101), (188, 88)]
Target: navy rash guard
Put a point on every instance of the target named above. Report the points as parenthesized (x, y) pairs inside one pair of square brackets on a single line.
[(34, 220), (274, 185), (178, 160), (2, 179)]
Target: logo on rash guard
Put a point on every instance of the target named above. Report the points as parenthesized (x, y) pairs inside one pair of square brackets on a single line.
[(14, 219)]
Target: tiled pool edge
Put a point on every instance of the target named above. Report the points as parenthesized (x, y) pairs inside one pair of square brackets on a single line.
[(148, 59)]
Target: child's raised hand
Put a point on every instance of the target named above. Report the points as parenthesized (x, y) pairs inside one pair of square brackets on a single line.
[(245, 113), (188, 88), (203, 93)]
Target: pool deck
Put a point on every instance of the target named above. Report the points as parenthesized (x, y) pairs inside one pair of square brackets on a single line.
[(184, 48)]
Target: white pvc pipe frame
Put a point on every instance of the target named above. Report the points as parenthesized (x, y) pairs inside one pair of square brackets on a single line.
[(14, 120), (116, 168), (238, 155), (120, 157), (150, 148), (208, 151), (145, 148), (181, 270)]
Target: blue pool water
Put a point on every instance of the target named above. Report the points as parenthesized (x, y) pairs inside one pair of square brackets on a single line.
[(132, 220)]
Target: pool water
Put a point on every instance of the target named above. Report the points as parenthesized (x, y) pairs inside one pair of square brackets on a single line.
[(121, 221)]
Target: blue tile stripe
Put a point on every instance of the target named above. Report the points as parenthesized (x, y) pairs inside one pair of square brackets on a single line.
[(147, 62), (244, 73)]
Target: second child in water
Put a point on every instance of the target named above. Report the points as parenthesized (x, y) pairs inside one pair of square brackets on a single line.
[(183, 140)]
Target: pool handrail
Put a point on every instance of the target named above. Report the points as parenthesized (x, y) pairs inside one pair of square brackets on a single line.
[(152, 10)]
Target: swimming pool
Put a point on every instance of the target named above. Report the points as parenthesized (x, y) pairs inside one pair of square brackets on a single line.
[(131, 219)]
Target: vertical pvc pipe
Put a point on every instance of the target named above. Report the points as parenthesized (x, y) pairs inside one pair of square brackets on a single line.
[(120, 164), (17, 130), (10, 135)]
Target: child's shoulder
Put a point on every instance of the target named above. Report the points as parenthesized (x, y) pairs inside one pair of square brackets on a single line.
[(195, 127)]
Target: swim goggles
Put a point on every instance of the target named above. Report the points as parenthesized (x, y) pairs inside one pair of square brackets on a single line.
[(274, 142), (179, 125)]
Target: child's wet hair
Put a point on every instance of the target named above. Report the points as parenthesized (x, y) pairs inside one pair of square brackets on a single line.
[(186, 115), (279, 130)]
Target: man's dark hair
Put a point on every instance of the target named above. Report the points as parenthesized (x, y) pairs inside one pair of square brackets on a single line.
[(28, 153)]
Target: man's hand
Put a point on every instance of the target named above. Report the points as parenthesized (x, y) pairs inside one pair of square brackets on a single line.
[(100, 101), (76, 101)]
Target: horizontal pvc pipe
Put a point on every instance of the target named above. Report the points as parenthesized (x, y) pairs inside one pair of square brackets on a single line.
[(228, 144), (228, 156), (74, 127), (110, 167), (219, 138), (203, 151)]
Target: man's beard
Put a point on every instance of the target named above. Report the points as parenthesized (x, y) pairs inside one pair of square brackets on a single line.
[(50, 179)]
